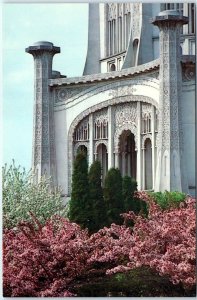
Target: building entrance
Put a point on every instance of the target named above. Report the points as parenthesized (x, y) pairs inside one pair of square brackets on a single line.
[(127, 154)]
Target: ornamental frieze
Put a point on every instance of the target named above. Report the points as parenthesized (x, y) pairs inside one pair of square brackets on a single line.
[(112, 11), (101, 116), (65, 94), (125, 113), (146, 109), (122, 91)]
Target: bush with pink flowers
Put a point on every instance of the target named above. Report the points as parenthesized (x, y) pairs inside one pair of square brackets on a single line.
[(51, 259), (165, 241)]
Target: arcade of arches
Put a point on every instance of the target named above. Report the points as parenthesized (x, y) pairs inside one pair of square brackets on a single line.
[(122, 136)]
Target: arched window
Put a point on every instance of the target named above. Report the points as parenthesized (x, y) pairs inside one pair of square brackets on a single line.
[(82, 132), (135, 51), (156, 121), (101, 129), (102, 156), (105, 127), (148, 164), (98, 127), (112, 67), (146, 123), (83, 149)]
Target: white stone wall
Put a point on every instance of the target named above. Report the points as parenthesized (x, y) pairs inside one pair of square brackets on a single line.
[(188, 126), (69, 113), (61, 147)]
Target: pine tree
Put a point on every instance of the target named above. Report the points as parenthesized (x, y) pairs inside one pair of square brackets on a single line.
[(80, 206), (113, 196), (129, 186), (98, 218)]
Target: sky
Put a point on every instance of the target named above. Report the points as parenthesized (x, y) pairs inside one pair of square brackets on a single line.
[(63, 24)]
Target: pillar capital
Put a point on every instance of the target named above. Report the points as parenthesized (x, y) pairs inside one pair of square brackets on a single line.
[(42, 46), (169, 17)]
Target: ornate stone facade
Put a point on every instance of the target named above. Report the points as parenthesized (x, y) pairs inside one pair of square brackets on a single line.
[(134, 117)]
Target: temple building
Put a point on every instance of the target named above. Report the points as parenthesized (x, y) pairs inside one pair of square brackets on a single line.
[(134, 106)]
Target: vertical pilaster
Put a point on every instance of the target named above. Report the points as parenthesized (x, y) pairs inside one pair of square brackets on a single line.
[(110, 137), (170, 169), (153, 145), (143, 169), (91, 140), (139, 151), (129, 164), (123, 164), (116, 159), (43, 160)]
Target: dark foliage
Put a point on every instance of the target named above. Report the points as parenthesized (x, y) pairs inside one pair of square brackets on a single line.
[(98, 217), (129, 186), (140, 282), (80, 209), (113, 196)]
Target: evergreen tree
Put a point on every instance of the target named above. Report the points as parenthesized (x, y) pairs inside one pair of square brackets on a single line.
[(98, 218), (129, 186), (113, 196), (80, 206)]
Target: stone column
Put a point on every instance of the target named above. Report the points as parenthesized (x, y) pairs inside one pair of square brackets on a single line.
[(143, 168), (91, 140), (116, 159), (169, 132), (110, 137), (129, 164), (123, 163), (139, 151), (153, 145), (43, 160)]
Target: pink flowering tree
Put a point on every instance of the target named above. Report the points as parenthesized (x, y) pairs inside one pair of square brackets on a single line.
[(48, 260), (43, 261), (165, 241)]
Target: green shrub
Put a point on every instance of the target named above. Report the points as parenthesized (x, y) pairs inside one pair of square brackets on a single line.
[(129, 186), (168, 199), (98, 217), (21, 196), (113, 196), (80, 210)]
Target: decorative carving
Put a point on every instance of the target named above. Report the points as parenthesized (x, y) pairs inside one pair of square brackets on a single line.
[(99, 106), (112, 11), (101, 116), (127, 7), (82, 131), (146, 109), (121, 91), (136, 20), (120, 9), (64, 94), (125, 113), (169, 138), (43, 145)]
